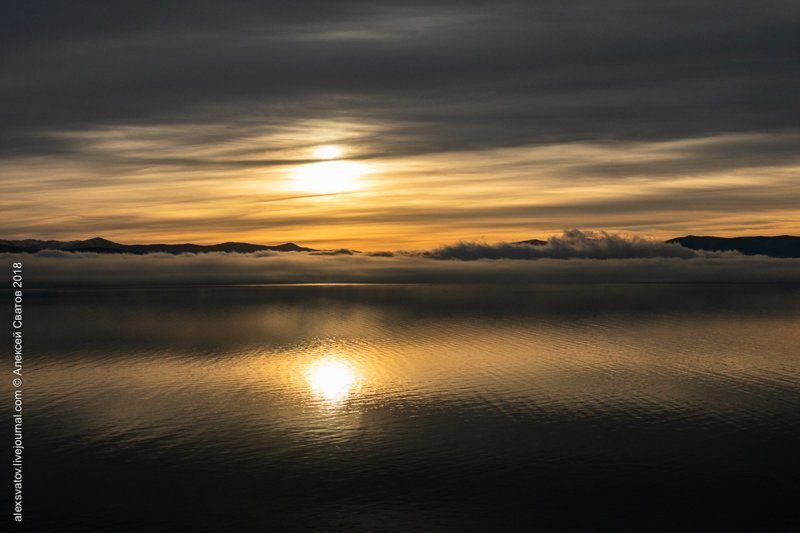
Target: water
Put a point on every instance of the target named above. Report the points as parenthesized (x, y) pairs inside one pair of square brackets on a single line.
[(413, 408)]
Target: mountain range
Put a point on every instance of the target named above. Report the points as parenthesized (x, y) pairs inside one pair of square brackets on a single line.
[(104, 246), (780, 246)]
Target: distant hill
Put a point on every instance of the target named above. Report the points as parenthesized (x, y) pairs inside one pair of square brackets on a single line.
[(781, 246), (532, 242), (104, 246)]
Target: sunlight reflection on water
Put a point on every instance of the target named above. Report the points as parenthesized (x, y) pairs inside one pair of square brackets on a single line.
[(331, 378), (344, 402)]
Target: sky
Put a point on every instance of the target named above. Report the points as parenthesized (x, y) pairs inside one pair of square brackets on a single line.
[(388, 124)]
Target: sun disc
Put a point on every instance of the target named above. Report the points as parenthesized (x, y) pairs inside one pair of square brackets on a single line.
[(328, 176), (328, 151)]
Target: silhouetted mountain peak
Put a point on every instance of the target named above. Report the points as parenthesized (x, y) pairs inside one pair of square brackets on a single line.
[(96, 241), (291, 247), (532, 242), (778, 246), (101, 245)]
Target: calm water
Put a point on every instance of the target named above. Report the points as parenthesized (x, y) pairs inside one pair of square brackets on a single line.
[(413, 408)]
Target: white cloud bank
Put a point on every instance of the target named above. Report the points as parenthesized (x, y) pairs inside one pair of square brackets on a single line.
[(572, 244)]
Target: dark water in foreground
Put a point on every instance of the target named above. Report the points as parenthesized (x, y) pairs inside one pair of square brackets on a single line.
[(402, 408)]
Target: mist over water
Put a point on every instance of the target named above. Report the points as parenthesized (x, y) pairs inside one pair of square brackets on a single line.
[(413, 407)]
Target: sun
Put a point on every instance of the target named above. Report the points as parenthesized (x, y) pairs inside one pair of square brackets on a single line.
[(324, 177), (328, 177), (328, 151)]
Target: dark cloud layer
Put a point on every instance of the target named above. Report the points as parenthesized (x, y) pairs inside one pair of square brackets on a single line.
[(446, 75)]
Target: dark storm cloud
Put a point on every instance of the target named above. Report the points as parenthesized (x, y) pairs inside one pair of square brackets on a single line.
[(442, 75)]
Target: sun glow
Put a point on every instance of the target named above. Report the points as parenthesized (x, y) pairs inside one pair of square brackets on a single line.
[(331, 379), (329, 176), (328, 151)]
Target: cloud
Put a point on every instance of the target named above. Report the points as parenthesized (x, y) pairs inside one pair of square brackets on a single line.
[(571, 244), (574, 257), (447, 75), (338, 251), (115, 115)]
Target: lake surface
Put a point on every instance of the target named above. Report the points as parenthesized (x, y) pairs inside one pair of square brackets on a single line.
[(413, 408)]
